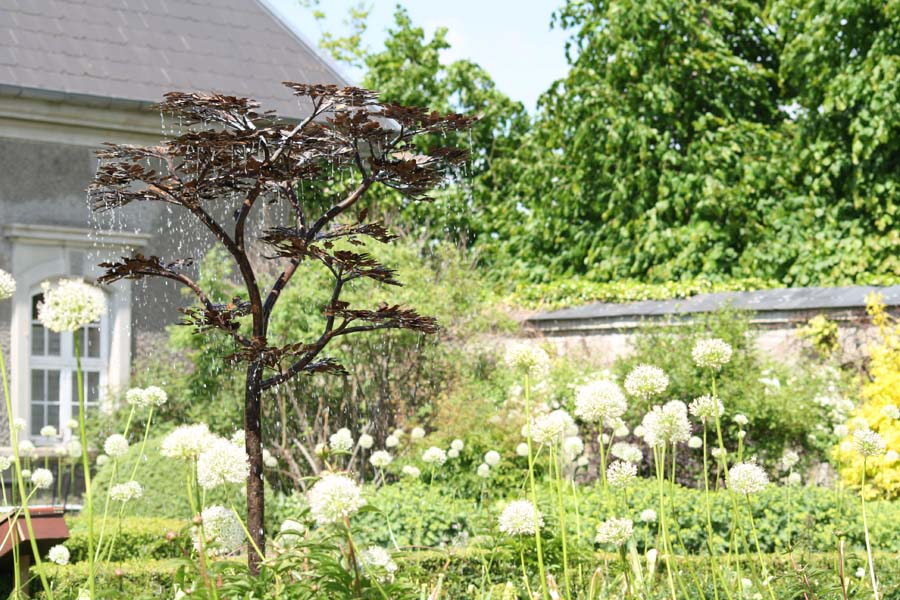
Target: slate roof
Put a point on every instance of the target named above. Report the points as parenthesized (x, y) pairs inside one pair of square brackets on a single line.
[(760, 301), (133, 51)]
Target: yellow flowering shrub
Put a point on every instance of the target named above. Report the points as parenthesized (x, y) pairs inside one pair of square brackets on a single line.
[(880, 395)]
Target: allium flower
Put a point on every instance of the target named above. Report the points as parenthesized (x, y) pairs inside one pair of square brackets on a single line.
[(434, 456), (457, 445), (155, 396), (135, 396), (794, 479), (411, 471), (381, 459), (399, 433), (366, 441), (620, 473), (222, 463), (59, 554), (707, 408), (716, 452), (868, 442), (48, 431), (483, 470), (333, 498), (72, 425), (890, 411), (747, 478), (695, 442), (5, 462), (392, 441), (648, 516), (123, 492), (71, 305), (341, 441), (239, 438), (711, 354), (646, 381), (741, 434), (102, 460), (290, 532), (528, 358), (269, 461), (600, 400), (841, 431), (19, 424), (615, 531), (519, 518), (42, 478), (26, 448), (7, 285), (621, 429), (627, 452), (452, 453), (492, 458), (573, 446), (376, 557), (26, 473), (741, 420), (417, 433), (187, 442), (551, 427), (222, 530), (116, 445), (667, 424), (522, 449), (789, 459), (890, 457)]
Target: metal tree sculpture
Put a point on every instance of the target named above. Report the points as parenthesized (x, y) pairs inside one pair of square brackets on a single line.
[(232, 157)]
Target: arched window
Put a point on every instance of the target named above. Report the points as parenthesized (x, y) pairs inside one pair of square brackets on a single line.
[(52, 371)]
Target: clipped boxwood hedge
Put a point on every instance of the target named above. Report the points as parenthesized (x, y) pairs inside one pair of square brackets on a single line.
[(139, 537), (139, 579)]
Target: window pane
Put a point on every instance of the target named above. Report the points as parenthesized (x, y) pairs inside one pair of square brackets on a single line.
[(53, 343), (37, 385), (53, 415), (93, 387), (35, 300), (37, 340), (53, 386), (92, 342), (37, 418)]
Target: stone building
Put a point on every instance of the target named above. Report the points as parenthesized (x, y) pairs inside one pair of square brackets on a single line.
[(75, 74)]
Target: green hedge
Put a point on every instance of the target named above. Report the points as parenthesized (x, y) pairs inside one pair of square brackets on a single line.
[(138, 537), (136, 580)]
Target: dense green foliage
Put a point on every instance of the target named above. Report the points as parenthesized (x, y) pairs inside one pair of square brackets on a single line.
[(136, 538)]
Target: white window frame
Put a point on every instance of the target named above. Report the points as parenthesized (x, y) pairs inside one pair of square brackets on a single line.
[(42, 253)]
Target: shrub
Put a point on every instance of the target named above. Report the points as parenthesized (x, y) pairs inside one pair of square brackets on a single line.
[(137, 538), (138, 579)]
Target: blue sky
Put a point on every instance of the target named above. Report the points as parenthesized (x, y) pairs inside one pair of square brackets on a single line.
[(511, 39)]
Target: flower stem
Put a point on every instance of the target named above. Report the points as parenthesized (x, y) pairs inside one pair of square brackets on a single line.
[(545, 594), (862, 495)]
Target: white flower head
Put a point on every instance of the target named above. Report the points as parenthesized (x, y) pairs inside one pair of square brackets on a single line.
[(123, 492), (269, 461), (333, 498), (789, 459), (72, 425), (627, 452), (135, 397), (615, 531), (841, 431), (741, 420), (26, 473), (376, 557), (620, 429), (434, 456), (392, 441), (48, 431), (417, 433), (667, 424), (528, 358), (290, 532), (155, 396), (890, 457), (5, 462), (102, 460), (366, 441), (452, 453), (483, 470), (711, 353), (381, 459), (600, 400), (695, 442), (239, 438), (222, 463), (520, 517), (26, 448), (59, 554), (187, 442), (115, 445), (19, 424), (522, 449), (648, 516), (890, 411), (223, 531), (341, 441), (42, 478), (646, 381), (71, 305), (868, 442), (7, 285), (794, 479), (552, 426), (572, 447), (747, 478), (412, 471), (620, 473), (706, 408), (457, 445), (492, 458)]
